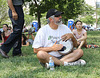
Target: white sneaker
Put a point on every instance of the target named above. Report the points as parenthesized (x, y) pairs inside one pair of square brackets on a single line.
[(83, 62), (78, 62), (47, 66)]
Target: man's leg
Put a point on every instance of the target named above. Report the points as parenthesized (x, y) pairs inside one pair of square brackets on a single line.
[(11, 40), (17, 30), (17, 47), (69, 59), (75, 55), (44, 58)]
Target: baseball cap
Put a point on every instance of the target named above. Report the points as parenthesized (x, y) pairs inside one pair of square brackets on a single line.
[(54, 12)]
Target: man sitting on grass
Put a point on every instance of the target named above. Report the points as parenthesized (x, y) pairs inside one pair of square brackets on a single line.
[(45, 42)]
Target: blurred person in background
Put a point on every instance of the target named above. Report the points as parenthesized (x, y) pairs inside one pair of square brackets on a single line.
[(10, 28), (80, 34), (31, 30), (24, 29), (1, 30), (6, 33), (26, 41)]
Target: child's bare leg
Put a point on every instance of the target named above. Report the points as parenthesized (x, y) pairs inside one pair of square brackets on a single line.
[(81, 44)]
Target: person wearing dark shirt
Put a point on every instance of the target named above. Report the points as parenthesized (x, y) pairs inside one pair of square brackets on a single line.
[(17, 18)]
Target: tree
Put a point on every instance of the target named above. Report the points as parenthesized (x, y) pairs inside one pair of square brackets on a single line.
[(71, 8), (87, 16), (3, 11), (28, 19), (88, 10), (88, 20), (98, 15)]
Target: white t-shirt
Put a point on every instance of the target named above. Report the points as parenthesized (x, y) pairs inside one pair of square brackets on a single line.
[(46, 37)]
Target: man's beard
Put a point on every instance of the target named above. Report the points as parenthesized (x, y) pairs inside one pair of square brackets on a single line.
[(58, 22)]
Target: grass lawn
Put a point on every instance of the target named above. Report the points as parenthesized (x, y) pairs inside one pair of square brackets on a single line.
[(27, 66)]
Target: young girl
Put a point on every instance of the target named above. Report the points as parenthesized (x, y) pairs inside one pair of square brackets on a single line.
[(80, 34), (6, 33)]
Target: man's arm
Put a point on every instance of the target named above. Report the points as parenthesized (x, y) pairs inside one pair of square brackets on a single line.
[(74, 41), (55, 47), (46, 49), (14, 14)]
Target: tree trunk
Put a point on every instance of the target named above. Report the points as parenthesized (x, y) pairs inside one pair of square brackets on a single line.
[(39, 21), (38, 14)]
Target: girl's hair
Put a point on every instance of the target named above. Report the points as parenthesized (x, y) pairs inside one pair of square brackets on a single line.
[(3, 33), (25, 38), (6, 25), (78, 21)]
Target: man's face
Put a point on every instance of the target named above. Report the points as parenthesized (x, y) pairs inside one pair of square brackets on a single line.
[(57, 20)]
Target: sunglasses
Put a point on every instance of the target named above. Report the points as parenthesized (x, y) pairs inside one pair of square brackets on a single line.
[(57, 15)]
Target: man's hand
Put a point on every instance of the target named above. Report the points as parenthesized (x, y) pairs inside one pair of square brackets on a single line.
[(70, 36), (67, 36), (14, 15), (57, 47)]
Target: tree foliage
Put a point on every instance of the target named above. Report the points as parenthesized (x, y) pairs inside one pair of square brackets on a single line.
[(87, 16), (98, 22), (71, 8), (88, 20), (3, 11), (88, 10), (98, 16), (28, 19)]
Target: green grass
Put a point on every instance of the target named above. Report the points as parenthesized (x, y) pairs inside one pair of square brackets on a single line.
[(27, 66)]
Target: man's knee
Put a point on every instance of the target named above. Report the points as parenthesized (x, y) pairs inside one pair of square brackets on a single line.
[(41, 55), (79, 52)]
